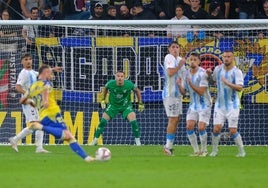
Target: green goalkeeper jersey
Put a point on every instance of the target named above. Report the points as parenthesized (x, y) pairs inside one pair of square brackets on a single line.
[(120, 96)]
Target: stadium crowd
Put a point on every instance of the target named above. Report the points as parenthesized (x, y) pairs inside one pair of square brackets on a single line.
[(135, 9)]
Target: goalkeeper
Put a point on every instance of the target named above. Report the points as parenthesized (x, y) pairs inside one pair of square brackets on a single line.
[(120, 102)]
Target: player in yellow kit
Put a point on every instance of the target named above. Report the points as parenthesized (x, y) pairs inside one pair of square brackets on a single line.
[(41, 95)]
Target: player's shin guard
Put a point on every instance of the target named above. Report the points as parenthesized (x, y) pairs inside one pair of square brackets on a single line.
[(203, 140), (170, 139), (193, 140), (100, 128), (39, 135), (136, 131), (135, 128), (238, 141), (78, 150), (215, 142)]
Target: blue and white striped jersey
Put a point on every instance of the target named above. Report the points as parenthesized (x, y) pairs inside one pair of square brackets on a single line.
[(227, 98), (171, 88), (199, 79), (26, 78)]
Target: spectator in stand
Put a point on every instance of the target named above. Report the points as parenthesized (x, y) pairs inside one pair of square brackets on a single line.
[(215, 11), (187, 3), (178, 30), (124, 13), (104, 3), (29, 33), (54, 4), (98, 13), (247, 8), (75, 10), (111, 13), (263, 15), (224, 7), (8, 35), (47, 30), (8, 30), (195, 11), (26, 6), (233, 12), (139, 13), (14, 9), (165, 8)]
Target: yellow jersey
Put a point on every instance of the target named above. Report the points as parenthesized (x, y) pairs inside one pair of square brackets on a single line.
[(35, 93)]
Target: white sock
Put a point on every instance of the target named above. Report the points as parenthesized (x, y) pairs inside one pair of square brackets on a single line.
[(239, 142), (39, 135), (138, 141), (24, 132), (203, 140), (193, 140), (215, 142), (169, 144)]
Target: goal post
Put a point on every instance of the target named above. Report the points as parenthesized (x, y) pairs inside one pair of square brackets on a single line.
[(90, 53)]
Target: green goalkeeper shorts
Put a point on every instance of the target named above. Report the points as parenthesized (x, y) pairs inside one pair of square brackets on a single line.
[(112, 111)]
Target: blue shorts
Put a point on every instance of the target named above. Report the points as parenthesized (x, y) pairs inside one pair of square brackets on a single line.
[(58, 122)]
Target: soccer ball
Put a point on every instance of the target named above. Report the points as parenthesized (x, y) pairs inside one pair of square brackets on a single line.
[(103, 154)]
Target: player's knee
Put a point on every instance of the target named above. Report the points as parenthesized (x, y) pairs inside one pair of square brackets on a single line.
[(217, 129), (68, 136), (189, 127), (232, 131)]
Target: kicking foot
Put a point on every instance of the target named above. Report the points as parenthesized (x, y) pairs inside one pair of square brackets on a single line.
[(13, 144), (89, 159)]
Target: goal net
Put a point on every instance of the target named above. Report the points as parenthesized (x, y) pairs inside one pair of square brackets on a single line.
[(91, 52)]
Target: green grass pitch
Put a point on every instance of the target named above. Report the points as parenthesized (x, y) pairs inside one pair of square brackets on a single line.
[(130, 166)]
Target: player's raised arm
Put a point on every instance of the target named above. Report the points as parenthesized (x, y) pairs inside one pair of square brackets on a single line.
[(181, 87)]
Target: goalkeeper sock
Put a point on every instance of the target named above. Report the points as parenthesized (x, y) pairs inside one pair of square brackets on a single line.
[(100, 128), (215, 141), (135, 128), (203, 140), (26, 131), (193, 140), (78, 150), (39, 139), (170, 139)]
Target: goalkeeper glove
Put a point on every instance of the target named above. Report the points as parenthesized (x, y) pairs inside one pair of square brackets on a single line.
[(141, 107), (103, 104)]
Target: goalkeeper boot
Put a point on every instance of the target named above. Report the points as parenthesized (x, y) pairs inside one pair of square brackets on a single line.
[(13, 144), (167, 151), (94, 142)]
